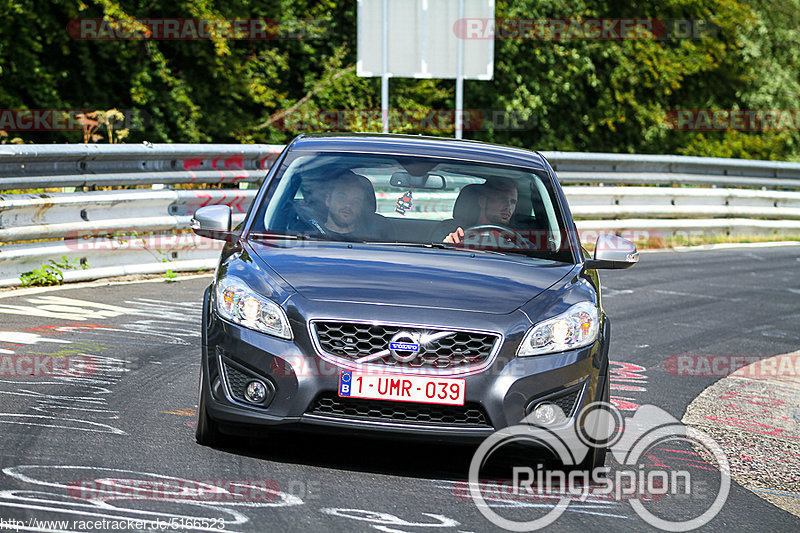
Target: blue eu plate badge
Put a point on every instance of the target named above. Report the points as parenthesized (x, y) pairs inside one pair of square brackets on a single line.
[(344, 383)]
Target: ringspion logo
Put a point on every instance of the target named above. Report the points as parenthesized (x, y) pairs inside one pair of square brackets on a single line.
[(631, 441)]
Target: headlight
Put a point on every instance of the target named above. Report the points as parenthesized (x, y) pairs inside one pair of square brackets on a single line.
[(240, 304), (574, 328)]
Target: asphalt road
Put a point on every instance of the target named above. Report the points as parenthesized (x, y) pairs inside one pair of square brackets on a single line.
[(125, 419)]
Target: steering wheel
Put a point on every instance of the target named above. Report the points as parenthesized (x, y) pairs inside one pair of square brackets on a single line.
[(309, 221), (517, 238)]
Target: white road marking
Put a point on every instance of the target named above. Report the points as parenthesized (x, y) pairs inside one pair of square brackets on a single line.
[(59, 502), (22, 337), (695, 295), (57, 422)]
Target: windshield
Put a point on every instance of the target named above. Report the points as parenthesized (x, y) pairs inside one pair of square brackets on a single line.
[(406, 200)]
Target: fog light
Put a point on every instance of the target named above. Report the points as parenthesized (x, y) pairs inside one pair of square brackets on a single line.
[(545, 413), (255, 392)]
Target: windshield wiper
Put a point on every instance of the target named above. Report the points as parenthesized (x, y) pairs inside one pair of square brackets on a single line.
[(438, 246), (511, 251), (283, 236), (450, 246)]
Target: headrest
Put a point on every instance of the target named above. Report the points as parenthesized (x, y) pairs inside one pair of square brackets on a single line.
[(370, 204), (466, 210)]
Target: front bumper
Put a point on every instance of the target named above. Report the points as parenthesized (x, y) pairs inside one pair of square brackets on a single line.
[(305, 387)]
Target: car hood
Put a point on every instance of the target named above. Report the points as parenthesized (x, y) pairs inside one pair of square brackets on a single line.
[(410, 276)]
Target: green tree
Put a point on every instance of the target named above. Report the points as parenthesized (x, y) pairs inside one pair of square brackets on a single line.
[(585, 95)]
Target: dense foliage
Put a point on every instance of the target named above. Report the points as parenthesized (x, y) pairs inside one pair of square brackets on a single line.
[(576, 94)]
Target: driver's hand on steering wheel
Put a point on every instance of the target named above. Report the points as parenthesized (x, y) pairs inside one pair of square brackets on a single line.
[(456, 237)]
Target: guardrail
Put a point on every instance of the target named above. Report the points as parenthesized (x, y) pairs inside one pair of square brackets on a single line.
[(144, 221), (35, 166), (634, 169)]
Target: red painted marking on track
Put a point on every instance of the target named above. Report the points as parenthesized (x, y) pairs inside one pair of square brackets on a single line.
[(770, 402), (627, 370), (752, 426), (628, 373), (631, 388), (623, 405)]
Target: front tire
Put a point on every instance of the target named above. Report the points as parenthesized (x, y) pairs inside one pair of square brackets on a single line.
[(596, 458), (207, 432)]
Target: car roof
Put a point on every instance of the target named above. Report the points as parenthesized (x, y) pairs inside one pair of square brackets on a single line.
[(405, 145)]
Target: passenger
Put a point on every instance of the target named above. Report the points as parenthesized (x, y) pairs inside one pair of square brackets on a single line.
[(497, 201), (349, 207)]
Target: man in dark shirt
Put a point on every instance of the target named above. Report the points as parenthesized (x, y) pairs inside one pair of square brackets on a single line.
[(345, 203), (351, 210), (497, 201)]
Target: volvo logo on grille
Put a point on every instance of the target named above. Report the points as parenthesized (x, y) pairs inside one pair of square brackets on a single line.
[(404, 346)]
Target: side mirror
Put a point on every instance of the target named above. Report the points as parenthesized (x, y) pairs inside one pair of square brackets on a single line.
[(213, 222), (611, 251)]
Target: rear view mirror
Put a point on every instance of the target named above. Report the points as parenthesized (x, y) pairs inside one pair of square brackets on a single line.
[(406, 181), (611, 251)]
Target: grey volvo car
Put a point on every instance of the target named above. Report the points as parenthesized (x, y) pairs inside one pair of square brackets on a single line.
[(424, 287)]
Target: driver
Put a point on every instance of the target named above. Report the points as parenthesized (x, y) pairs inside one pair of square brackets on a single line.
[(497, 201)]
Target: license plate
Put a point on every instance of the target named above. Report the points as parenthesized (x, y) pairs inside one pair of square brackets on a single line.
[(402, 388)]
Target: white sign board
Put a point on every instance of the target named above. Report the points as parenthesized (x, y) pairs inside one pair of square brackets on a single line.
[(423, 38)]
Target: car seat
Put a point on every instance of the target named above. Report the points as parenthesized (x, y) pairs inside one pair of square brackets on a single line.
[(377, 226)]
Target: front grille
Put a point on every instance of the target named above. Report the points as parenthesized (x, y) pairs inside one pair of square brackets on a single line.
[(567, 402), (238, 377), (237, 381), (454, 350), (331, 405)]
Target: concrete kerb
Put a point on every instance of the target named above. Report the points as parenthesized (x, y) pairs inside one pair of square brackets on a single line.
[(755, 417)]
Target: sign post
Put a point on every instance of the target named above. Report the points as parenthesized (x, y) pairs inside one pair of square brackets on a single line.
[(459, 122), (385, 65)]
